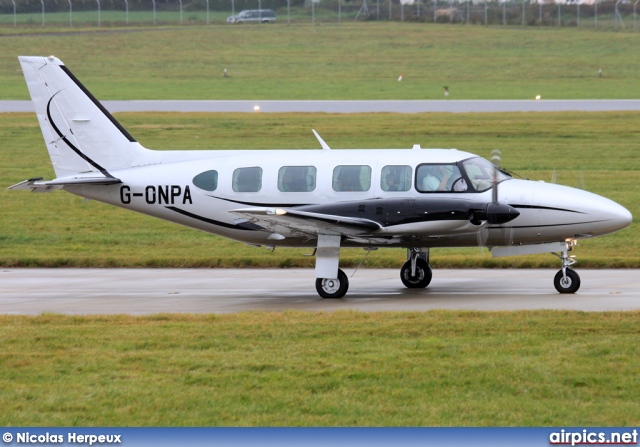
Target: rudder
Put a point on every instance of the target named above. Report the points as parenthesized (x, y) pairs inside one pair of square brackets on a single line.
[(80, 134)]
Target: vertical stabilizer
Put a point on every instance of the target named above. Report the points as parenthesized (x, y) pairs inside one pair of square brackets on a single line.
[(80, 134)]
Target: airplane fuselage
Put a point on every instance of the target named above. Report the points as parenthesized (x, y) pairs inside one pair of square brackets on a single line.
[(547, 212)]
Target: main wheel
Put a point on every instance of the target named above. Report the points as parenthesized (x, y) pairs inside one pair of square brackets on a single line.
[(570, 284), (422, 277), (333, 288)]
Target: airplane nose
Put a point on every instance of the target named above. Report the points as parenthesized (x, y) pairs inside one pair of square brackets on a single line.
[(579, 211), (620, 216), (607, 215)]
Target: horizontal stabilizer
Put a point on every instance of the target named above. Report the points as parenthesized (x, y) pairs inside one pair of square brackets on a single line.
[(36, 185)]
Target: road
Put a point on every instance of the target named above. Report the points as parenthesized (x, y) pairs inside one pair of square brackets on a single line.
[(150, 291), (392, 106)]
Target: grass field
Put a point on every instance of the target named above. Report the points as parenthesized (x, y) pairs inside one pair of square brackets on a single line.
[(58, 229), (348, 61), (322, 369)]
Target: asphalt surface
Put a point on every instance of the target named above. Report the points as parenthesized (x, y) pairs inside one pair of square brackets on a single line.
[(391, 106), (150, 291)]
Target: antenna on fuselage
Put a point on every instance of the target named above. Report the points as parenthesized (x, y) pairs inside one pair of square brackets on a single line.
[(324, 145)]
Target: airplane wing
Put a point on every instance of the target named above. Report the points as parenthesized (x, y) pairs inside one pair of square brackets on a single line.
[(291, 222), (36, 185)]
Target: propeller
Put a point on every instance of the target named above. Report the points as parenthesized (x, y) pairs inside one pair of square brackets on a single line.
[(482, 236), (495, 159), (496, 213)]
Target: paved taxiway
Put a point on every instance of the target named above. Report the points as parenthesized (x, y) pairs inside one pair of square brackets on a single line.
[(148, 291)]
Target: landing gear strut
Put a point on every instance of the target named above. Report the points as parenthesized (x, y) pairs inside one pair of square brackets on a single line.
[(331, 282), (567, 280), (416, 272)]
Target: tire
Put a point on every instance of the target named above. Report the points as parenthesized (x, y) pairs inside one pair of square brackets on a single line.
[(333, 288), (570, 285), (422, 278)]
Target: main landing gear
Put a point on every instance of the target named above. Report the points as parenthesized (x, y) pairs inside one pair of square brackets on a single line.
[(331, 282), (416, 272), (333, 288)]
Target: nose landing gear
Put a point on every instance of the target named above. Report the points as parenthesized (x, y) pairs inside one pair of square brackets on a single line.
[(567, 280)]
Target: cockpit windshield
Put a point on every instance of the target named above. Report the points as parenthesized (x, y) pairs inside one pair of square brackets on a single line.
[(480, 173)]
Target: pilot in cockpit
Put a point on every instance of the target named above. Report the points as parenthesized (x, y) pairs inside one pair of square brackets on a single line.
[(435, 178), (442, 178)]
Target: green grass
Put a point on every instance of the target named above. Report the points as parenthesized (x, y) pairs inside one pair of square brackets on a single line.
[(333, 61), (322, 369), (58, 229)]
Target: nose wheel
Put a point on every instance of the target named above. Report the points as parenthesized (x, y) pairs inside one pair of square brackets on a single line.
[(567, 280)]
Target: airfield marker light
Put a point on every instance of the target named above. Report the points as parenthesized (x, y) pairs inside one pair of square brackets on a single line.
[(537, 97), (256, 108), (399, 78)]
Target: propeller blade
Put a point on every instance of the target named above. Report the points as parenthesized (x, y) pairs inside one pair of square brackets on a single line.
[(482, 236), (495, 159)]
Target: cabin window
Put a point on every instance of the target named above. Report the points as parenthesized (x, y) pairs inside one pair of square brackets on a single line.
[(396, 178), (297, 178), (440, 178), (352, 178), (247, 179), (207, 180)]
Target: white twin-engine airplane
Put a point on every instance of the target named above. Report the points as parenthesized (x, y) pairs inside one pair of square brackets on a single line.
[(325, 199)]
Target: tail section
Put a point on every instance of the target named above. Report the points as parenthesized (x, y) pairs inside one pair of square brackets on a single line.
[(80, 134)]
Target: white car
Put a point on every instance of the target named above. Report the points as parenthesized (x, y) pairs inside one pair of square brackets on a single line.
[(253, 15)]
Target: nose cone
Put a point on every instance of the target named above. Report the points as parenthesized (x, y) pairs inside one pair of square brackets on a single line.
[(590, 213), (606, 215), (619, 216)]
